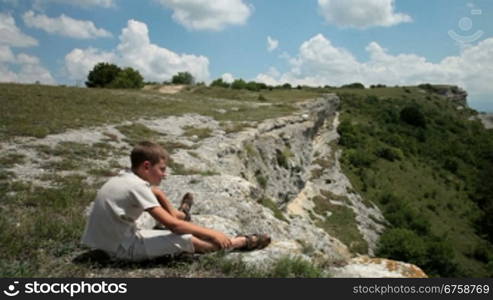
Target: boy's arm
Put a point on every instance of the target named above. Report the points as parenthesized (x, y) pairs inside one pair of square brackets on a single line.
[(181, 227), (165, 203)]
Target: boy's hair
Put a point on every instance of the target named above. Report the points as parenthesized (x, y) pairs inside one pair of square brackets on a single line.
[(147, 150)]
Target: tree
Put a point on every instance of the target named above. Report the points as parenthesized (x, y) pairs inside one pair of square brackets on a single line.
[(128, 78), (355, 85), (183, 78), (220, 83), (106, 75), (102, 75), (252, 86), (238, 84)]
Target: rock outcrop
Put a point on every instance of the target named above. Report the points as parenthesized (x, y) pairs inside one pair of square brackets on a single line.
[(487, 120)]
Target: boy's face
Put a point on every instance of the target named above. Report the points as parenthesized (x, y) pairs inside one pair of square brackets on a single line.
[(155, 173)]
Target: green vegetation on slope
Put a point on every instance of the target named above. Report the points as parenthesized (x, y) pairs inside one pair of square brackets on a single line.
[(425, 164)]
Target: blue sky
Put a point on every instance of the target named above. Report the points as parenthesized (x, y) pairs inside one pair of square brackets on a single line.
[(313, 42)]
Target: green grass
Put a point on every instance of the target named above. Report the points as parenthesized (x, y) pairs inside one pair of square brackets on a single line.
[(179, 169), (137, 132), (8, 160), (273, 96), (284, 267), (39, 227), (69, 108), (201, 133)]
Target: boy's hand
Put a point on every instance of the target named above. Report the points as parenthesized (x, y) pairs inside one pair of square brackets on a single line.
[(221, 240)]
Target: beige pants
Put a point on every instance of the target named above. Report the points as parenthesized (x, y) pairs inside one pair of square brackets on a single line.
[(149, 244)]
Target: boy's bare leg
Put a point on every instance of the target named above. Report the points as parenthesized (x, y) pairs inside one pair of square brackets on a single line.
[(203, 246)]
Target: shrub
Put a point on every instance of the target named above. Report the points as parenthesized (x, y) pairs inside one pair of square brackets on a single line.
[(390, 153), (252, 86), (372, 99), (105, 75), (441, 259), (359, 158), (183, 78), (295, 267), (282, 158), (348, 135), (413, 116), (220, 83), (401, 215), (102, 75), (355, 85), (402, 244), (238, 84), (128, 78)]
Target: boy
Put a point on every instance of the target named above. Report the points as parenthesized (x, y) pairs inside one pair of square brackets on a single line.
[(111, 225)]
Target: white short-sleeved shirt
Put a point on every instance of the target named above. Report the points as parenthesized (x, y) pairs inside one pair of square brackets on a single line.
[(111, 222)]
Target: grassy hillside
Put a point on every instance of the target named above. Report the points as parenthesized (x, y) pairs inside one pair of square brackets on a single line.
[(427, 166), (36, 110)]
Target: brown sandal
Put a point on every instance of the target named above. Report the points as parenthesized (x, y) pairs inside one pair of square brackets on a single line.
[(186, 206), (255, 241)]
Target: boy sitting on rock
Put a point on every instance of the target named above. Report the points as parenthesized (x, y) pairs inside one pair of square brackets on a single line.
[(112, 226)]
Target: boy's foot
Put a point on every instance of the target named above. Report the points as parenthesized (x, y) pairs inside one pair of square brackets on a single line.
[(255, 241), (186, 206)]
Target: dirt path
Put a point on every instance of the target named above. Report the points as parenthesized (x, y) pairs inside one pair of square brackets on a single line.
[(166, 89)]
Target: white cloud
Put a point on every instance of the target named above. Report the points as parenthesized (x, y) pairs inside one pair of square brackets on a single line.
[(11, 35), (29, 68), (65, 26), (320, 63), (136, 50), (6, 54), (228, 77), (208, 15), (79, 62), (361, 13), (272, 44), (22, 67)]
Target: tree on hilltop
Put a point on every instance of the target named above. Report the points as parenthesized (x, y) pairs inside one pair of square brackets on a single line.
[(106, 75), (183, 78), (128, 78), (220, 83), (102, 75)]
